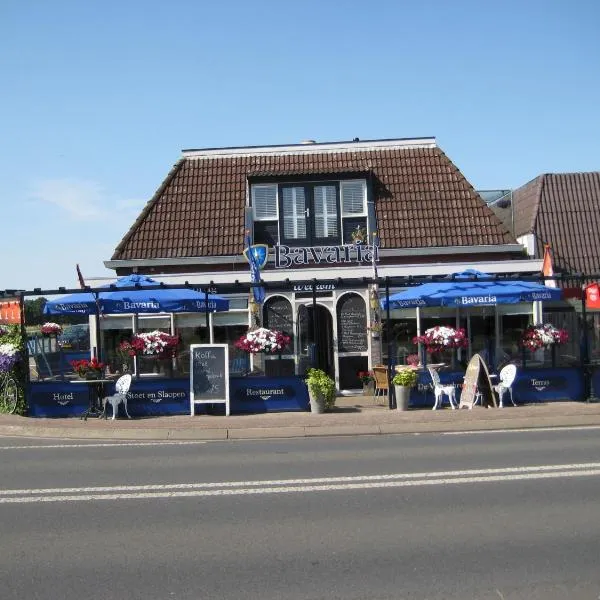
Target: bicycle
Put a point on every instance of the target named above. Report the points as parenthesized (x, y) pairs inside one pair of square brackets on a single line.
[(9, 393)]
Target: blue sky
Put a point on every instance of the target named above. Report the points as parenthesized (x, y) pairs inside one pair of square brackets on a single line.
[(99, 98)]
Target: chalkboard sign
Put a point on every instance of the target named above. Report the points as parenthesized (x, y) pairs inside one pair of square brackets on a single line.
[(352, 324), (278, 316), (209, 375), (477, 383)]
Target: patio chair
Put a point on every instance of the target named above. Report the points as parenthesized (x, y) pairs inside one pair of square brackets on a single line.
[(507, 378), (122, 387), (440, 390), (380, 376)]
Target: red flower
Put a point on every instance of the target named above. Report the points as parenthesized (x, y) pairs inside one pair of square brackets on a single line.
[(263, 340), (84, 366), (365, 376), (442, 337)]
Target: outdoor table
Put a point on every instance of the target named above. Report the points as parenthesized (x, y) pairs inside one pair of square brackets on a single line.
[(95, 392)]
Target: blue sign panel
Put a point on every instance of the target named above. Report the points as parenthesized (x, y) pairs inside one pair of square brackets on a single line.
[(421, 396), (146, 397), (156, 397), (267, 394), (57, 399), (596, 381), (547, 385), (530, 385)]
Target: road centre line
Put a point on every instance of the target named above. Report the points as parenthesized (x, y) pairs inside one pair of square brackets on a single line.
[(299, 485), (299, 489), (522, 430), (115, 444)]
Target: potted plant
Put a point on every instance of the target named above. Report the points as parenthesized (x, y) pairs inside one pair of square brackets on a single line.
[(155, 343), (403, 380), (375, 328), (368, 382), (48, 329), (536, 337), (321, 390), (268, 341), (88, 369), (359, 235)]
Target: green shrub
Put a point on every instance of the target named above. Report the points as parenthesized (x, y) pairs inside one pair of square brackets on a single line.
[(405, 377), (319, 382)]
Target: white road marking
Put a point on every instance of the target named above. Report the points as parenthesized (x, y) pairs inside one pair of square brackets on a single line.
[(319, 484), (522, 430), (102, 445)]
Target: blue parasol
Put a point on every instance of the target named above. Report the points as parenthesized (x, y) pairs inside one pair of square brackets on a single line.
[(464, 290), (119, 301)]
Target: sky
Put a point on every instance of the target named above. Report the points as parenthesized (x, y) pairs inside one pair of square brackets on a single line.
[(99, 98)]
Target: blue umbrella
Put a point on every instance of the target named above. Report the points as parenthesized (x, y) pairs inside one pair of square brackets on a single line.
[(118, 301), (464, 290)]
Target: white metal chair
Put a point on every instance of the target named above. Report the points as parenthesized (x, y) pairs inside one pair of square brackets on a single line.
[(507, 378), (380, 376), (440, 390), (122, 387)]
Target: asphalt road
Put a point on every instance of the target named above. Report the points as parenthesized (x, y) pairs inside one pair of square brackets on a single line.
[(485, 515)]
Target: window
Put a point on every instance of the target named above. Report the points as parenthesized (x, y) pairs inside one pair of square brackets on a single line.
[(312, 213)]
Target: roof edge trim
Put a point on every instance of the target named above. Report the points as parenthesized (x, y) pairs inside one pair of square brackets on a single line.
[(312, 148)]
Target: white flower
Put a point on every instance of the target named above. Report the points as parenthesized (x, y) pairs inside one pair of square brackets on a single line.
[(8, 349)]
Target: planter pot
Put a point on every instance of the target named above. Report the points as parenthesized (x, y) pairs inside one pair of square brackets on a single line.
[(317, 402), (402, 397), (369, 389)]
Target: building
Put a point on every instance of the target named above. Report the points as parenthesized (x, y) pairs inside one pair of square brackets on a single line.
[(332, 215)]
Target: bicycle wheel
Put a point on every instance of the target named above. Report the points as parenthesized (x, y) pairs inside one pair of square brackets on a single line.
[(10, 396)]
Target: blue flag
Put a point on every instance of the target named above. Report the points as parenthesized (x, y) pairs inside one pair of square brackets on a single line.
[(256, 257)]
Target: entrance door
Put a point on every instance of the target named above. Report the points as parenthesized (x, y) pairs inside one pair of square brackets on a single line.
[(316, 351)]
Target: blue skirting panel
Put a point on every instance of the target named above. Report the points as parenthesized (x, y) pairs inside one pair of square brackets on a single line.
[(147, 397), (531, 385), (267, 394), (158, 397), (546, 385)]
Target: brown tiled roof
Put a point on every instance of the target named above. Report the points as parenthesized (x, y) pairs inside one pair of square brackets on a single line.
[(421, 200), (562, 210)]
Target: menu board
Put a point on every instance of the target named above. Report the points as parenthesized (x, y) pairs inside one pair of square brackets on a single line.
[(278, 316), (352, 324), (209, 375), (477, 382)]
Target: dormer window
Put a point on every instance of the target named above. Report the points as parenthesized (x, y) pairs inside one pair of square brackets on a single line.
[(315, 213)]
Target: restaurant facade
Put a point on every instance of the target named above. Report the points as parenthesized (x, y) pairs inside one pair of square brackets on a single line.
[(332, 218)]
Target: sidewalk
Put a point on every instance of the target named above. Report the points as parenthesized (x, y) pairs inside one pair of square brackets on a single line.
[(353, 415)]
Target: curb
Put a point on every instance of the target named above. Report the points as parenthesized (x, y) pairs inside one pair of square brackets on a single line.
[(297, 431)]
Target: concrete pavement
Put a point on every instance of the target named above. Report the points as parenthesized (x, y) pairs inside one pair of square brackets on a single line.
[(353, 415)]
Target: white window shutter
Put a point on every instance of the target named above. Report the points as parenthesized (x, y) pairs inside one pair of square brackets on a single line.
[(353, 197), (294, 212), (326, 216), (264, 202)]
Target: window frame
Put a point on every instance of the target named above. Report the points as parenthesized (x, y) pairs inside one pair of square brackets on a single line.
[(309, 183)]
